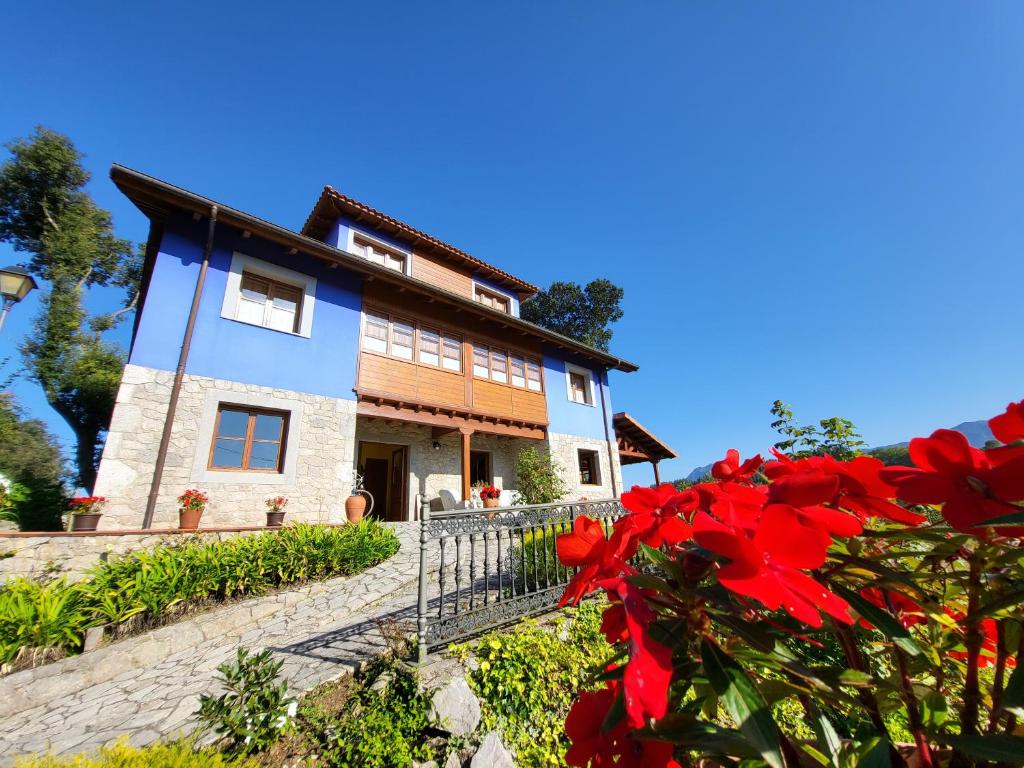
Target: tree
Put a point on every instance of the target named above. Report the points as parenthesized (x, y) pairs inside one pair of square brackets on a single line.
[(45, 213), (894, 455), (583, 314), (836, 436), (537, 478), (31, 457)]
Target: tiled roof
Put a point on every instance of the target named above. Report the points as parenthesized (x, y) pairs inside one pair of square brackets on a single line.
[(332, 203)]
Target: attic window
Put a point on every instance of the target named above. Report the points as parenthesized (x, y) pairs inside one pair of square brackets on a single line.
[(379, 254), (492, 299)]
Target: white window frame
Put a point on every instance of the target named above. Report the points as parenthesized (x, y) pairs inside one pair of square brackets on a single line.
[(507, 296), (351, 244), (240, 263), (588, 378)]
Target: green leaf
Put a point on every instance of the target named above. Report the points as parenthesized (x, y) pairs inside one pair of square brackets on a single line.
[(934, 709), (831, 744), (883, 620), (874, 753), (743, 702), (996, 747), (1000, 603), (1013, 694), (1015, 518)]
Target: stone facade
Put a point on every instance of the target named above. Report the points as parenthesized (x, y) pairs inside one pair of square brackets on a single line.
[(564, 450), (318, 458)]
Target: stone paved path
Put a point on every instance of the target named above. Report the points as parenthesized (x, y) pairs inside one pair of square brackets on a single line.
[(132, 688)]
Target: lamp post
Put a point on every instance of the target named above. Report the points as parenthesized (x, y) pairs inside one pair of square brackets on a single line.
[(15, 284)]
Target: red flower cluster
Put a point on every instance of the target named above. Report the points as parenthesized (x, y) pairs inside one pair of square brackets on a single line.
[(86, 504), (490, 492), (193, 498), (276, 503)]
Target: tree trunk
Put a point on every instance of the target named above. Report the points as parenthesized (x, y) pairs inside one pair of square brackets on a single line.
[(85, 457)]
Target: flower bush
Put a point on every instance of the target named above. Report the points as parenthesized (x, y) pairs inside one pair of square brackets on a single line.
[(276, 503), (490, 492), (81, 505), (193, 499), (882, 603)]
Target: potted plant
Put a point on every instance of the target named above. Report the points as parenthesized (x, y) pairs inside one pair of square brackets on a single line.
[(355, 504), (191, 505), (491, 496), (86, 512), (275, 511)]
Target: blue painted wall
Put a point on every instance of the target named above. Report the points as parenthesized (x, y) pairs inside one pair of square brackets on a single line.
[(324, 364), (566, 416)]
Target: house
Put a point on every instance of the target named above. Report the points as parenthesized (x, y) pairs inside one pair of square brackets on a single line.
[(267, 362)]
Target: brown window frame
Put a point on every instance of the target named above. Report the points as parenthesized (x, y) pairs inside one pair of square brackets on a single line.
[(248, 440), (417, 328), (494, 299), (368, 242), (592, 458), (582, 389), (508, 355), (272, 285)]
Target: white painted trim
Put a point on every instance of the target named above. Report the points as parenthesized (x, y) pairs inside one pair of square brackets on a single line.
[(350, 246), (588, 375), (201, 473), (511, 299), (233, 291)]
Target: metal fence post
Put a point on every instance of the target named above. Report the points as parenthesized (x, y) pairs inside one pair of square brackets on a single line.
[(421, 608)]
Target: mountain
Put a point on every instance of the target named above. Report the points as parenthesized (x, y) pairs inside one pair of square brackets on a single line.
[(698, 473)]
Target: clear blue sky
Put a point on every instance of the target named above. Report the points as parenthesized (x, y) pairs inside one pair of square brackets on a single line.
[(819, 202)]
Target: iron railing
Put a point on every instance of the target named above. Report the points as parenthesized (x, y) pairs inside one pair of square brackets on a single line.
[(480, 569)]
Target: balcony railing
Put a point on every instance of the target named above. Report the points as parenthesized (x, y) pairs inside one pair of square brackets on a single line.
[(481, 569)]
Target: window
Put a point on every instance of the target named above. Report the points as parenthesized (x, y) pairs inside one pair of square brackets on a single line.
[(579, 383), (499, 365), (504, 367), (452, 353), (430, 347), (378, 254), (479, 467), (481, 364), (492, 299), (401, 339), (248, 439), (590, 473), (266, 302), (375, 336), (262, 293), (533, 375), (518, 366)]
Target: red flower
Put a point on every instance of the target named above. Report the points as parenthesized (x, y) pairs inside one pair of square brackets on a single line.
[(769, 567), (989, 643), (597, 557), (655, 519), (907, 611), (731, 469), (962, 478), (1008, 426)]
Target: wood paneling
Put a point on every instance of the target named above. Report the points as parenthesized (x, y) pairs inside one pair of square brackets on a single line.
[(405, 379), (429, 270), (489, 397), (529, 405)]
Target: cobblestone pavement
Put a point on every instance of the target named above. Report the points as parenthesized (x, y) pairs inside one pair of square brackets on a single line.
[(149, 687)]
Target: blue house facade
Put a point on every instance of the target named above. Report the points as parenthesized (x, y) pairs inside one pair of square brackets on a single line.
[(267, 362)]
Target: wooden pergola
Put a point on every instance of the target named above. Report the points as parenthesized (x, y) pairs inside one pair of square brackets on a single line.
[(637, 443)]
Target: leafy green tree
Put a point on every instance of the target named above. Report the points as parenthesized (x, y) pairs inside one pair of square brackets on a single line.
[(583, 314), (537, 478), (835, 436), (45, 212), (893, 455), (31, 457)]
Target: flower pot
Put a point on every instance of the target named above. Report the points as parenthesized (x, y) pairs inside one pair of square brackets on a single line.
[(491, 503), (355, 506), (275, 519), (85, 521), (188, 519)]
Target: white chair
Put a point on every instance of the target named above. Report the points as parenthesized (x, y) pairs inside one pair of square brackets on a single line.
[(448, 500)]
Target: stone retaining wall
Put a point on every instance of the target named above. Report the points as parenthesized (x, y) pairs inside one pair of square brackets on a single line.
[(72, 554)]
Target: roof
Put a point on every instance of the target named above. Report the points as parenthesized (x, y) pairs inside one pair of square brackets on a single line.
[(157, 198), (333, 204), (628, 428)]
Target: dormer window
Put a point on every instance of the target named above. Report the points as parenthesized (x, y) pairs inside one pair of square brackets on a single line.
[(492, 299), (379, 254)]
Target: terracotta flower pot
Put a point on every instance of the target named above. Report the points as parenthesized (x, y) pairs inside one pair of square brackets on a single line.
[(491, 503), (355, 507), (85, 521), (275, 519), (188, 519)]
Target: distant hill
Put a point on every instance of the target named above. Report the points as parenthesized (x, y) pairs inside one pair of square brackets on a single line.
[(977, 433)]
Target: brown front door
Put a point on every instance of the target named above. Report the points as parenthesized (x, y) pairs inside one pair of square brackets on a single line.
[(396, 488), (375, 480)]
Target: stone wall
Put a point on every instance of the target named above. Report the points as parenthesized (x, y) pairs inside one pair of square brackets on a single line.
[(318, 457), (564, 449), (72, 554)]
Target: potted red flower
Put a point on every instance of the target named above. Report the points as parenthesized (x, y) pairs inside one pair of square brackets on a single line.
[(275, 511), (86, 512), (490, 496), (191, 505)]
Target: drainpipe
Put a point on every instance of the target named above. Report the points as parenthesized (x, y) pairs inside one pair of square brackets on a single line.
[(179, 374), (607, 437)]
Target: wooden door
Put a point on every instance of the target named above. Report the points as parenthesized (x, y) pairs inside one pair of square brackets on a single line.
[(396, 488), (375, 480)]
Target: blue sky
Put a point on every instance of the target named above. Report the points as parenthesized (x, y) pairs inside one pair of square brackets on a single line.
[(818, 202)]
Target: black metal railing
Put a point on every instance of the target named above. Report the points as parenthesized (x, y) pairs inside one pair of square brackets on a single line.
[(480, 569)]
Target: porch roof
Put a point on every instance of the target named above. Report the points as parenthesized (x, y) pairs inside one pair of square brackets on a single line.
[(637, 443)]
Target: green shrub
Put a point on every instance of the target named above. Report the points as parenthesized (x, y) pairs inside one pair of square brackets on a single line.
[(384, 728), (527, 564), (177, 754), (527, 678), (153, 586), (537, 478), (255, 709)]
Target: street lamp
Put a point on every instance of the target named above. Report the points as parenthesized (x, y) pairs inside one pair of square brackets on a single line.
[(15, 283)]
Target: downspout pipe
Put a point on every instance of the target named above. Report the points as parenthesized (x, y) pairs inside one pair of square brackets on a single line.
[(179, 374), (607, 437)]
